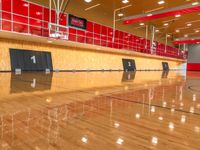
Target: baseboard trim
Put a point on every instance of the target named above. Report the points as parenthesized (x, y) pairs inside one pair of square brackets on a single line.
[(102, 70)]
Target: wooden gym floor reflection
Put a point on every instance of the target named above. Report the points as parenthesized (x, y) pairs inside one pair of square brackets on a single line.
[(100, 110)]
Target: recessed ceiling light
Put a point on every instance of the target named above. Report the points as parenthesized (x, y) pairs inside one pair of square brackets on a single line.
[(197, 31), (142, 24), (166, 24), (149, 15), (88, 1), (125, 1), (177, 31), (120, 14), (185, 35), (178, 15), (195, 3), (157, 30), (161, 2), (189, 24)]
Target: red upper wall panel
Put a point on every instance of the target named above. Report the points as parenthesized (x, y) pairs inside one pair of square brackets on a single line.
[(22, 7), (36, 11), (63, 19), (187, 41), (193, 67), (26, 17), (6, 5), (163, 15), (97, 28), (90, 26)]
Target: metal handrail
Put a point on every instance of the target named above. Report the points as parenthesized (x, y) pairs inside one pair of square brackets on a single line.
[(104, 40)]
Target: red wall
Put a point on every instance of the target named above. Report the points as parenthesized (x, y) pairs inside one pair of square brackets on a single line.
[(193, 67), (33, 19)]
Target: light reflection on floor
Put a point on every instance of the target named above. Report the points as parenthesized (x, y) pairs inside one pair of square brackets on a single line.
[(100, 110)]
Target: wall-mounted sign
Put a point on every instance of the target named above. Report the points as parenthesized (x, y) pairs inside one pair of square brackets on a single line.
[(129, 65), (77, 22), (165, 66), (28, 60)]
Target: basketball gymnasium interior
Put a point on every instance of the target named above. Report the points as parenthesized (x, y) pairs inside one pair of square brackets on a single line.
[(99, 74)]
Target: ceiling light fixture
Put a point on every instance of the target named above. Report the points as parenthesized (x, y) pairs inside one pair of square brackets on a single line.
[(161, 2), (178, 15), (125, 1), (120, 14), (189, 24), (88, 1), (166, 24), (149, 15), (195, 3), (141, 24)]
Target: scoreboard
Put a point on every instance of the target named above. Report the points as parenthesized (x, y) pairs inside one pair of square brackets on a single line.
[(77, 22)]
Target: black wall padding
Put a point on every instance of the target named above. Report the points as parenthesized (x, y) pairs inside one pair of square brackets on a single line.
[(129, 64), (165, 66), (28, 60)]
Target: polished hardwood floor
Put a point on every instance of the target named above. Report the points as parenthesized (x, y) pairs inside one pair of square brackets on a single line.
[(100, 111)]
